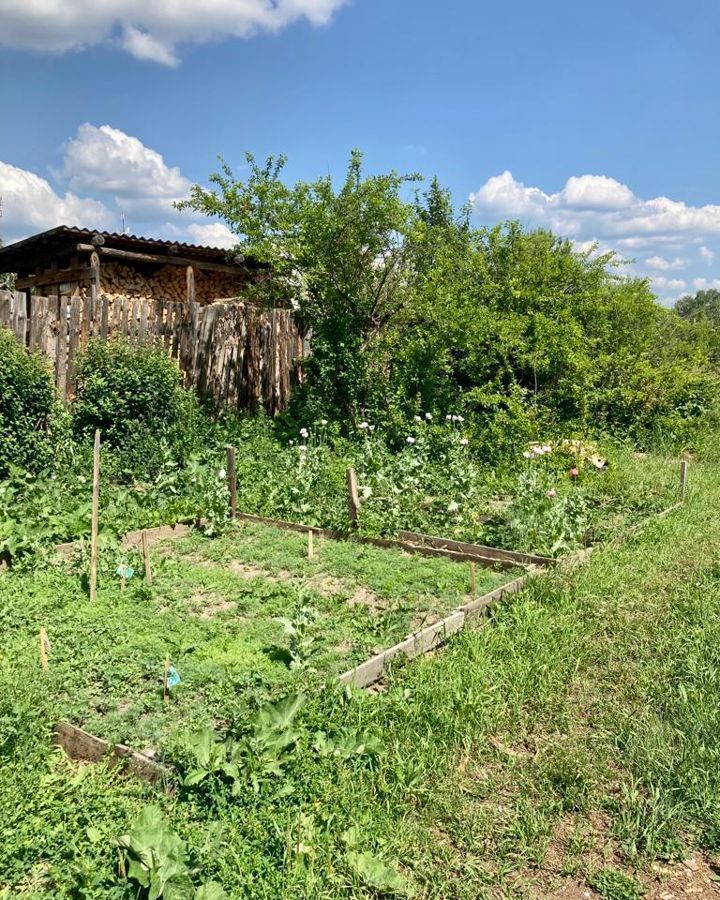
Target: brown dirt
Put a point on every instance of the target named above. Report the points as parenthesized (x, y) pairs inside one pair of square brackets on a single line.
[(364, 597), (423, 620), (691, 879), (694, 878), (246, 570), (208, 605)]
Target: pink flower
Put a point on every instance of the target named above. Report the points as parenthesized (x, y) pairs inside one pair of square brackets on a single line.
[(574, 472), (551, 494)]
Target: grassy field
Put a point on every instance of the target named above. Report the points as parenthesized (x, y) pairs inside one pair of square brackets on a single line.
[(569, 746)]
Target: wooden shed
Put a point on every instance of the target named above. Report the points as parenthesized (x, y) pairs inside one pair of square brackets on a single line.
[(67, 262)]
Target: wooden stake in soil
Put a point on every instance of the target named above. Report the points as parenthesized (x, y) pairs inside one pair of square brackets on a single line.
[(44, 649), (232, 481), (353, 498), (311, 550), (146, 557), (95, 517), (166, 692), (473, 579), (683, 478)]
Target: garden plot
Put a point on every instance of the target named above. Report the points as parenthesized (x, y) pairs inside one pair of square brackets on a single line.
[(241, 618)]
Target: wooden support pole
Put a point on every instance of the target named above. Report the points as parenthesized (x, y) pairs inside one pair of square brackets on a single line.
[(166, 691), (44, 648), (311, 549), (190, 278), (473, 578), (353, 498), (683, 478), (232, 481), (146, 557), (95, 517)]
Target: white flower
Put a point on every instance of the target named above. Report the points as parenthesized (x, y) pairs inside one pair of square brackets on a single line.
[(372, 428), (428, 416), (303, 432), (460, 418), (364, 425), (291, 443), (547, 448), (417, 418), (222, 473), (463, 442), (323, 422), (448, 418), (410, 440), (527, 454), (453, 507), (302, 448)]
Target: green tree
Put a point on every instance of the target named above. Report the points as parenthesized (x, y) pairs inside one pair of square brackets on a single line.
[(339, 254), (704, 306)]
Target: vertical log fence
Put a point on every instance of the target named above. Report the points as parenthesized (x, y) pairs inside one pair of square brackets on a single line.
[(231, 352)]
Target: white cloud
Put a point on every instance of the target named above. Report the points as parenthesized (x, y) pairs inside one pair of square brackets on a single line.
[(661, 264), (149, 29), (108, 160), (597, 204), (666, 233), (664, 285), (702, 284), (106, 174), (30, 204), (213, 234), (142, 45)]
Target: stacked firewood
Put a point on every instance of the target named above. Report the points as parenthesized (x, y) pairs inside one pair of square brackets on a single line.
[(168, 283)]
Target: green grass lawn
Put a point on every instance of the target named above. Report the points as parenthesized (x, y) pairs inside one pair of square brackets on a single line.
[(573, 740)]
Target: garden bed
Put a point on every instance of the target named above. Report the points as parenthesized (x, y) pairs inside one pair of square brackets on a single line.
[(241, 617)]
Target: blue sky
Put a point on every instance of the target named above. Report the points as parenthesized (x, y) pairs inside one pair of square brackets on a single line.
[(598, 120)]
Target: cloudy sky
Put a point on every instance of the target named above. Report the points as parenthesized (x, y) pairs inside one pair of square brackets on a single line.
[(598, 121)]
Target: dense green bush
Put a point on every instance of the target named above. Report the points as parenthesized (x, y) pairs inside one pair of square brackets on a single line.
[(134, 395), (30, 415)]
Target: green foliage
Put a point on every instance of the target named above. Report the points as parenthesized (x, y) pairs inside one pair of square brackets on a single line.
[(154, 857), (411, 309), (375, 874), (612, 884), (133, 394), (257, 758), (339, 254), (541, 518), (704, 306), (31, 423)]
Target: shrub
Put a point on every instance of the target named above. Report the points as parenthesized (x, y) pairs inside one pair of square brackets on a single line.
[(30, 414), (134, 395)]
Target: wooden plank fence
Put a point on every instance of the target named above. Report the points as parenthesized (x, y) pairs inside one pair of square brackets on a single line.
[(231, 352)]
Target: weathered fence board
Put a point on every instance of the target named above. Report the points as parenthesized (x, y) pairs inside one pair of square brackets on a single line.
[(231, 352)]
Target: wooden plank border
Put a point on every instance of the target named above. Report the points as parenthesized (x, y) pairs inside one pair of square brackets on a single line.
[(429, 638), (531, 559), (83, 746), (385, 543)]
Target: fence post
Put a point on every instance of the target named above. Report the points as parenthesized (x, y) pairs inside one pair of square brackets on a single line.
[(232, 481), (353, 498), (95, 516)]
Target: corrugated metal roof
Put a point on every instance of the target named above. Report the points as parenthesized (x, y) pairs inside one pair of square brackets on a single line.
[(20, 254)]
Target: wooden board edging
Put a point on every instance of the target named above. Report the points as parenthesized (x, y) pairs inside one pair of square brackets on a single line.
[(83, 746), (519, 557), (431, 637), (385, 543)]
